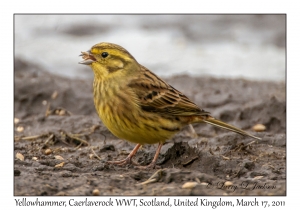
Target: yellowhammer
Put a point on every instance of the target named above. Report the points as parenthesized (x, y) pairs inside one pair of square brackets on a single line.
[(138, 106)]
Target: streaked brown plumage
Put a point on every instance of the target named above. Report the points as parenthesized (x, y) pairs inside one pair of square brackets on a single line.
[(138, 106)]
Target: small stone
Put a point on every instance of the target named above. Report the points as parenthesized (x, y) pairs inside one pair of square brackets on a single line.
[(258, 177), (60, 165), (228, 183), (17, 172), (20, 128), (20, 156), (91, 156), (34, 158), (48, 151), (189, 185), (62, 112), (44, 102), (16, 120), (259, 128), (96, 192), (58, 157)]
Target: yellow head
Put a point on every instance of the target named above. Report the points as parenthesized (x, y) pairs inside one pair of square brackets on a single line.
[(109, 60)]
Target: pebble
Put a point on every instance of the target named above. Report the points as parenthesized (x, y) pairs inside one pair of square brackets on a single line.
[(58, 157), (189, 185), (20, 156), (60, 165), (228, 183), (48, 151), (96, 192), (16, 120), (17, 172), (20, 128), (259, 128), (62, 112)]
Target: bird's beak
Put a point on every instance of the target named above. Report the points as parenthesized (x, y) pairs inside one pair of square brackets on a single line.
[(88, 58)]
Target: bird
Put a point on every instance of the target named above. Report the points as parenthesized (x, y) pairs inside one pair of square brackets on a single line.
[(138, 106)]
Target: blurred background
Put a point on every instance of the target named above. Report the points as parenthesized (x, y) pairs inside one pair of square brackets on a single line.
[(228, 46)]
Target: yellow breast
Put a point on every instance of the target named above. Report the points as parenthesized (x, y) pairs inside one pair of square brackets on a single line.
[(123, 116)]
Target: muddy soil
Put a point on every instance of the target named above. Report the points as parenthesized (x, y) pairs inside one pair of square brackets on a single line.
[(61, 146)]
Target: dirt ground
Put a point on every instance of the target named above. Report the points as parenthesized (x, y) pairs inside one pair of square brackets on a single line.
[(61, 146)]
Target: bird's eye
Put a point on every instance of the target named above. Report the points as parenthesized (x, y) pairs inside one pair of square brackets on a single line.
[(104, 54)]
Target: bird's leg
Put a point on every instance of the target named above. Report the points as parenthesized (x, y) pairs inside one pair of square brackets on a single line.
[(153, 163), (127, 160)]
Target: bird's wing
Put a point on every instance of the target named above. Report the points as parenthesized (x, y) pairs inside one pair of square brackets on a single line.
[(155, 95)]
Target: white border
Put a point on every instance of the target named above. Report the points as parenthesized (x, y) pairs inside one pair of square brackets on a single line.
[(154, 6)]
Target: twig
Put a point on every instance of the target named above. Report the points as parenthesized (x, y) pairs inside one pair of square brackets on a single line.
[(48, 111), (190, 161), (154, 178), (29, 138), (73, 136), (251, 143), (247, 145), (95, 154), (92, 129), (48, 139), (78, 146)]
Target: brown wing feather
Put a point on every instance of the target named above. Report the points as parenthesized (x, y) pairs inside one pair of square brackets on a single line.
[(155, 95)]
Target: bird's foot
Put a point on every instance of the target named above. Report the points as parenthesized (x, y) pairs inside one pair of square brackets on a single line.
[(127, 160), (152, 165)]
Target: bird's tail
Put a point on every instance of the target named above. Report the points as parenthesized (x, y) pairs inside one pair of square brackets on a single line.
[(218, 123)]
